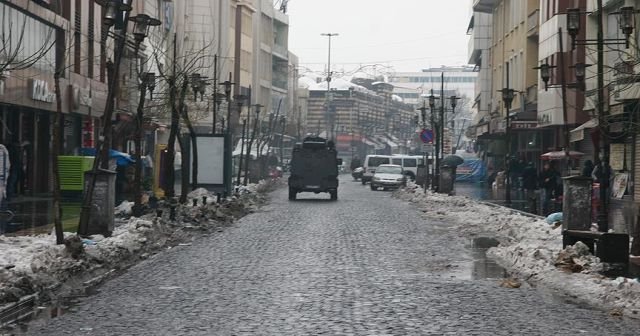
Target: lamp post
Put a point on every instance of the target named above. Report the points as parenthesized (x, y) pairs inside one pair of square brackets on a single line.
[(257, 108), (421, 121), (454, 102), (283, 122), (228, 158), (112, 10), (507, 97), (436, 130), (227, 92), (329, 74), (244, 127)]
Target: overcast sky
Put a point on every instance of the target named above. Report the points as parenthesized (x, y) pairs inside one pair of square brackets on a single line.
[(408, 35)]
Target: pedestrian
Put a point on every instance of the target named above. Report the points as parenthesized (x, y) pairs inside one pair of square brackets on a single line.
[(530, 184), (355, 163), (587, 170), (5, 168), (548, 182)]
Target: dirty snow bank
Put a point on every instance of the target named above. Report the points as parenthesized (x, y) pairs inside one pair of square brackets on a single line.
[(531, 248), (35, 264)]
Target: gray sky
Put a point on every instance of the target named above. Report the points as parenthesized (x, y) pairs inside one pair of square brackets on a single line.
[(408, 35)]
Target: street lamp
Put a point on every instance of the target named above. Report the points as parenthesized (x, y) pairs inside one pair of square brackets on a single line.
[(141, 26), (227, 92), (626, 22), (112, 9), (454, 101), (257, 108)]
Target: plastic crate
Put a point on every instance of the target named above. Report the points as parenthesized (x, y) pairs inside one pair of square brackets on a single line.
[(71, 171)]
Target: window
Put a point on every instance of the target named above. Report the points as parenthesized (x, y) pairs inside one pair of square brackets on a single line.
[(77, 37), (410, 163), (396, 161)]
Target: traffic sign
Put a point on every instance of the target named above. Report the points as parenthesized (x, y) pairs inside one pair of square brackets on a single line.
[(426, 136)]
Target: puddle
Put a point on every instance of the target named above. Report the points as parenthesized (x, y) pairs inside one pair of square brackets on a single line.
[(482, 266)]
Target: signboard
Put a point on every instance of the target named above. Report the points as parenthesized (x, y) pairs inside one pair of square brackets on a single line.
[(39, 90), (426, 136), (619, 185), (426, 148), (210, 160)]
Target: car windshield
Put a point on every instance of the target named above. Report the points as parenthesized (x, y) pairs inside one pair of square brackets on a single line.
[(389, 170), (376, 161)]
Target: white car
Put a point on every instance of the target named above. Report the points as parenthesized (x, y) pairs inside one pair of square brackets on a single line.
[(388, 176)]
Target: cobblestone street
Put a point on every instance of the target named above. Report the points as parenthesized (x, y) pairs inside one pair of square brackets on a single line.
[(364, 265)]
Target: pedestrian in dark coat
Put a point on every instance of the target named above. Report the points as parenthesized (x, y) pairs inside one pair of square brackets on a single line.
[(529, 177), (587, 170)]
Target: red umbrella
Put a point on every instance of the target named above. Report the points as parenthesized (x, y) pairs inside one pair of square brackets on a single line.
[(559, 155)]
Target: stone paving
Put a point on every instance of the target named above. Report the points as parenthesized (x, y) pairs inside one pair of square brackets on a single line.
[(364, 265)]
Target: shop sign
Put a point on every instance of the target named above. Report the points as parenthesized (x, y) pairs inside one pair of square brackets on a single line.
[(80, 97), (39, 90), (524, 124)]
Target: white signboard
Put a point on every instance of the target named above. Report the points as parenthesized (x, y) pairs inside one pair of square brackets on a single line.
[(426, 148), (210, 160)]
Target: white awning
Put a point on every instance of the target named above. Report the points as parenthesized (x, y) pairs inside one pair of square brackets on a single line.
[(577, 134)]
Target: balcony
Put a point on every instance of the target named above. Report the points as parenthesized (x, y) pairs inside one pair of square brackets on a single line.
[(533, 23), (484, 6)]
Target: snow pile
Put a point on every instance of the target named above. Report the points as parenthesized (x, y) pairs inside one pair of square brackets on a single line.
[(124, 209), (35, 264), (531, 248)]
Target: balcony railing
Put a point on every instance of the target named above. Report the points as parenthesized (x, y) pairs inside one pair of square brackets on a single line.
[(533, 23)]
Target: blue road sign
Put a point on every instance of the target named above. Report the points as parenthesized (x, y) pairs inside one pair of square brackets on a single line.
[(426, 136)]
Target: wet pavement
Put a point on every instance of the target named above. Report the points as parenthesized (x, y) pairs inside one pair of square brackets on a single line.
[(520, 199), (367, 264)]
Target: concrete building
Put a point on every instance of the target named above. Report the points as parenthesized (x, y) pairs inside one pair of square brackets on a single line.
[(364, 118), (459, 81), (514, 50), (66, 32)]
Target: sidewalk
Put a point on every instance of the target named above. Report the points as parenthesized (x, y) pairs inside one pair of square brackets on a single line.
[(531, 249)]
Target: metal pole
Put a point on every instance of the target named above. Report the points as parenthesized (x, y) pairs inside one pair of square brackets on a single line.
[(507, 133), (283, 120), (563, 87), (137, 208), (215, 92), (229, 111), (603, 215), (441, 136), (244, 126)]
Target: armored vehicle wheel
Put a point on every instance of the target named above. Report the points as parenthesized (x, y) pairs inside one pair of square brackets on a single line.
[(373, 187), (292, 194), (363, 181), (334, 195)]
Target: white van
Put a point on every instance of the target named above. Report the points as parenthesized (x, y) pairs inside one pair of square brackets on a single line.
[(371, 162), (409, 163)]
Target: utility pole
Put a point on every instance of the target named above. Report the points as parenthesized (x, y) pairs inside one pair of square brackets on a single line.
[(215, 92), (603, 214), (507, 132)]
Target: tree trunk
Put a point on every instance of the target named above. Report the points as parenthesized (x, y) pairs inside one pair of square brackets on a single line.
[(55, 151), (137, 193), (173, 131), (194, 148), (183, 162)]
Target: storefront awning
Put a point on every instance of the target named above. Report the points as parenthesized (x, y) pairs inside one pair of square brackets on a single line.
[(577, 134)]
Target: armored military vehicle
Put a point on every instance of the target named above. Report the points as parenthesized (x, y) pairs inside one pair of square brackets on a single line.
[(314, 168)]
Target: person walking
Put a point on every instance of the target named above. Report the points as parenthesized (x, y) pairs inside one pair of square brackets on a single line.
[(548, 181), (530, 184), (587, 169)]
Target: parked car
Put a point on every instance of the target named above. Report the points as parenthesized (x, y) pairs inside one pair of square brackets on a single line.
[(388, 176), (357, 173)]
